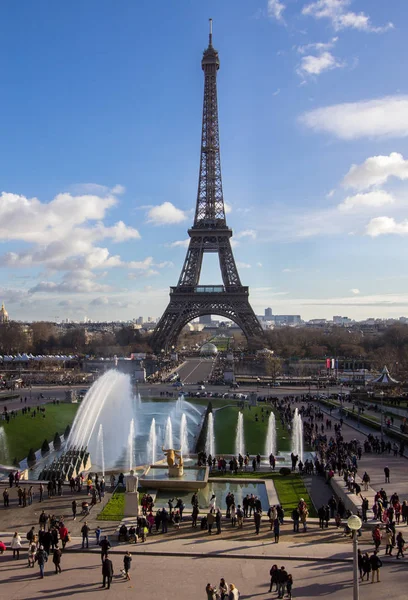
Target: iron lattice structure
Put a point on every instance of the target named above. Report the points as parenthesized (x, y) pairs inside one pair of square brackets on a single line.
[(210, 233)]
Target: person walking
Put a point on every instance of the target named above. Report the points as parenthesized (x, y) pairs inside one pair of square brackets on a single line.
[(223, 589), (6, 498), (16, 545), (210, 521), (282, 580), (400, 545), (218, 520), (104, 545), (389, 534), (85, 535), (98, 532), (107, 572), (127, 561), (274, 578), (211, 592), (41, 490), (41, 558), (366, 566), (276, 530), (377, 535), (376, 564), (295, 519), (74, 509), (257, 521), (56, 559), (233, 592), (387, 474), (289, 585)]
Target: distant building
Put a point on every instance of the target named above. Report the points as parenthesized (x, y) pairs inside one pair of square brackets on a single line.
[(205, 320), (287, 319), (4, 317), (268, 313), (337, 320)]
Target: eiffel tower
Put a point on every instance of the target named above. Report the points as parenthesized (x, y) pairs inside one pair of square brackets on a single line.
[(210, 233)]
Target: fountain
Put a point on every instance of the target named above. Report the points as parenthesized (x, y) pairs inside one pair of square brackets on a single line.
[(239, 438), (270, 443), (100, 457), (210, 439), (297, 435), (184, 436), (168, 433), (4, 456), (131, 444), (152, 443), (109, 403)]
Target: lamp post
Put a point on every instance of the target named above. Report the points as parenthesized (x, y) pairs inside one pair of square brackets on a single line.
[(354, 523), (382, 415)]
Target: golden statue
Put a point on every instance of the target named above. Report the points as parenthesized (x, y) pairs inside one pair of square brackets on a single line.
[(172, 455)]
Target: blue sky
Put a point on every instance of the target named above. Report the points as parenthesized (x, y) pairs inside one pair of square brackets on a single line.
[(100, 122)]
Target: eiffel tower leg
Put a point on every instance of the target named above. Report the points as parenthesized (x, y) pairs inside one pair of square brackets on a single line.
[(183, 308)]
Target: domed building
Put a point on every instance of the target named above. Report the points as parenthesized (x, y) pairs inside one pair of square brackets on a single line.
[(208, 349), (4, 318)]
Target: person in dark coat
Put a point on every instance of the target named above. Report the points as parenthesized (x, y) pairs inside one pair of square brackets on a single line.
[(105, 545), (107, 572), (376, 564), (366, 566), (276, 529), (257, 521), (56, 559)]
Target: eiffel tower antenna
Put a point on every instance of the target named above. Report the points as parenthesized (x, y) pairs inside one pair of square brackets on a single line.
[(209, 233)]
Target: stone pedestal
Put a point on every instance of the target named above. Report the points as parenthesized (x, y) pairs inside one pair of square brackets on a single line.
[(131, 504), (176, 471)]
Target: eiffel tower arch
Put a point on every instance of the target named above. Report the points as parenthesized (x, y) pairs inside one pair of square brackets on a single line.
[(209, 233)]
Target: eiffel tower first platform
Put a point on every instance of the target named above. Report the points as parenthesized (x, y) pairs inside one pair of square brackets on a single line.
[(210, 233)]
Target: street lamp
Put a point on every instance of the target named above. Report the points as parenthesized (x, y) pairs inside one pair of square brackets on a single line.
[(382, 414), (354, 523)]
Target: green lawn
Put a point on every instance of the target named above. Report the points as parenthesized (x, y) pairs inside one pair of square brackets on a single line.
[(25, 432), (225, 424), (290, 489), (114, 510)]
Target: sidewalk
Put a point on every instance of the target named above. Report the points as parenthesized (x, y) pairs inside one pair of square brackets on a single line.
[(217, 547)]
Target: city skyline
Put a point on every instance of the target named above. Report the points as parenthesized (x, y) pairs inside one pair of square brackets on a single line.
[(312, 150)]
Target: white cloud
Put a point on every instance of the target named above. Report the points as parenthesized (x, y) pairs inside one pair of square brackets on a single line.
[(276, 9), (109, 302), (118, 189), (341, 18), (315, 65), (290, 270), (78, 282), (383, 117), (243, 265), (97, 189), (376, 170), (251, 233), (227, 208), (165, 214), (355, 291), (317, 46), (373, 199), (259, 264), (385, 226), (147, 267), (179, 244), (276, 92)]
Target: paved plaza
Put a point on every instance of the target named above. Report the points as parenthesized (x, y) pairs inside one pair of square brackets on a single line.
[(179, 564), (175, 578)]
